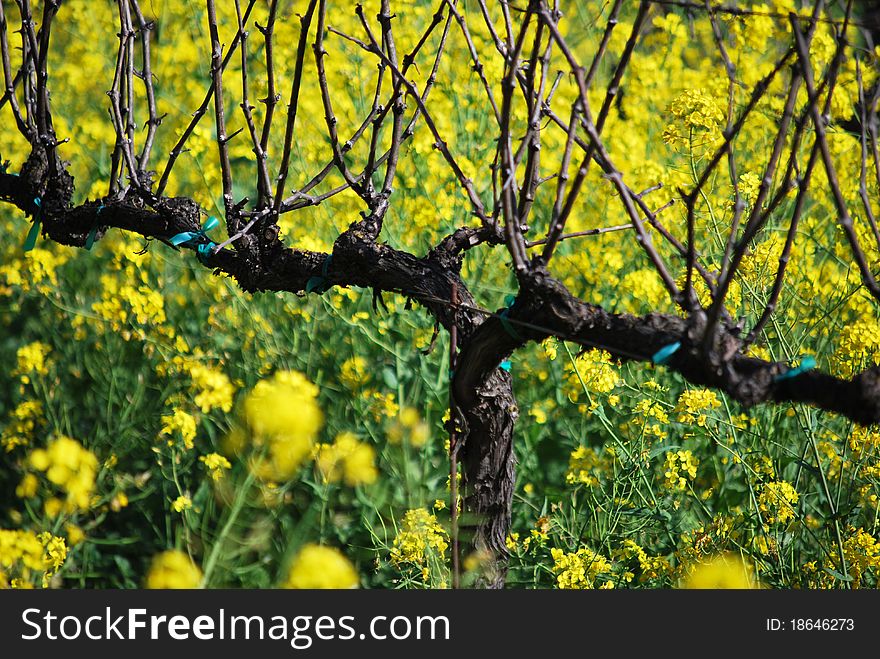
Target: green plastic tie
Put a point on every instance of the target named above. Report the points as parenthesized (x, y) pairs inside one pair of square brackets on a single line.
[(90, 239), (665, 353), (505, 322), (31, 240), (808, 363), (198, 240), (205, 251), (319, 283)]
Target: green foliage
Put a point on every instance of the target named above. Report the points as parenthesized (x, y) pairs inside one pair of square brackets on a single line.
[(627, 476)]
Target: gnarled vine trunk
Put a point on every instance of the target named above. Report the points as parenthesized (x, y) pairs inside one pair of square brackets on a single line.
[(704, 345)]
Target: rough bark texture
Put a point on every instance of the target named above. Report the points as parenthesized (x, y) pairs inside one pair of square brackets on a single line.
[(487, 413), (486, 405)]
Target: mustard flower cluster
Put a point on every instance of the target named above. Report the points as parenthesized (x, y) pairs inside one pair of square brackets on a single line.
[(681, 469), (216, 464), (693, 403), (409, 426), (124, 305), (580, 569), (282, 419), (212, 386), (596, 371), (181, 504), (317, 566), (353, 373), (173, 569), (723, 571), (71, 467), (585, 466), (36, 270), (179, 423), (32, 359), (347, 459), (419, 535), (25, 555), (650, 567), (20, 430), (777, 501), (861, 550)]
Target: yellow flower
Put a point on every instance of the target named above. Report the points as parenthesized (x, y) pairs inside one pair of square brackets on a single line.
[(382, 406), (777, 500), (32, 360), (862, 552), (681, 469), (283, 417), (181, 503), (75, 534), (37, 270), (24, 421), (649, 410), (20, 546), (119, 502), (213, 387), (749, 184), (53, 507), (723, 571), (863, 441), (585, 466), (549, 345), (672, 136), (173, 569), (409, 425), (595, 369), (644, 291), (578, 570), (55, 551), (347, 459), (28, 487), (672, 24), (353, 373), (538, 414), (321, 567), (652, 567), (216, 465), (696, 109), (71, 467), (25, 555), (420, 534), (126, 303), (181, 422), (759, 265), (693, 402)]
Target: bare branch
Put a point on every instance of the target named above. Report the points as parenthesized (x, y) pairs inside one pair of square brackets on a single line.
[(264, 187), (844, 218), (293, 103), (219, 111), (146, 74), (558, 219), (179, 147), (272, 96), (440, 144), (10, 80)]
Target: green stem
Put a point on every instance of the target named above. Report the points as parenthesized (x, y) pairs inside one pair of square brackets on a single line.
[(234, 512)]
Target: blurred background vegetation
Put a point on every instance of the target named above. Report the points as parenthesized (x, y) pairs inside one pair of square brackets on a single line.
[(135, 380)]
